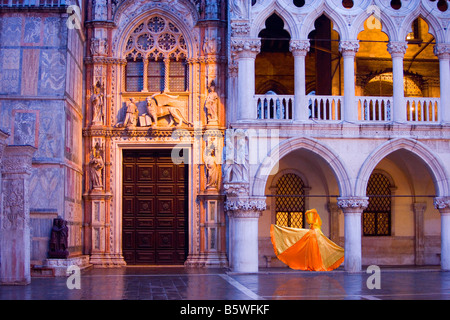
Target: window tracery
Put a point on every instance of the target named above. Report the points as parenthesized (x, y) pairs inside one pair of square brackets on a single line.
[(156, 52)]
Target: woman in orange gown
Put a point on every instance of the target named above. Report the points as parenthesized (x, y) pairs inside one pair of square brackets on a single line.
[(306, 249)]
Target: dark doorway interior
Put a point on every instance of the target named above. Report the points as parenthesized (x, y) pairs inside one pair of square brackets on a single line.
[(154, 198)]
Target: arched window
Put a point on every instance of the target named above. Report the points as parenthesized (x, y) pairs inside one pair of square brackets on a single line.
[(290, 201), (377, 215), (156, 57)]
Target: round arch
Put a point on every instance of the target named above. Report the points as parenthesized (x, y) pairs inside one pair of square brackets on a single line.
[(316, 147), (437, 169)]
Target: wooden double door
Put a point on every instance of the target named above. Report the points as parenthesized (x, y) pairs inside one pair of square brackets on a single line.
[(154, 199)]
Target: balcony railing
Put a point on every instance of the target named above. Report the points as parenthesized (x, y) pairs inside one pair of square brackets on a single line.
[(422, 109), (275, 107), (32, 3), (374, 108), (325, 107), (331, 108)]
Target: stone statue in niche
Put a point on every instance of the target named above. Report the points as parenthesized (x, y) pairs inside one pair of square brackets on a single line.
[(236, 157), (211, 10), (100, 10), (59, 239), (97, 105), (162, 105), (239, 9), (211, 105), (211, 165), (131, 118), (96, 165)]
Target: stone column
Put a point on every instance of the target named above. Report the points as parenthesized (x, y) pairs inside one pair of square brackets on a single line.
[(352, 209), (299, 49), (15, 216), (443, 205), (334, 210), (245, 51), (442, 50), (419, 209), (397, 51), (348, 50), (244, 214)]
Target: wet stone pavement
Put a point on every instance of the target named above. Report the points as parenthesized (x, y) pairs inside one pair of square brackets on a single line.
[(170, 283)]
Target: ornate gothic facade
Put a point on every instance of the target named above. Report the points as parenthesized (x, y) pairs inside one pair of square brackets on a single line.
[(176, 131)]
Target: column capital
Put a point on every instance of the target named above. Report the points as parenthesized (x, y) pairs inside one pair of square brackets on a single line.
[(442, 50), (442, 203), (397, 48), (358, 203), (245, 48), (17, 159), (299, 47), (348, 47), (239, 207)]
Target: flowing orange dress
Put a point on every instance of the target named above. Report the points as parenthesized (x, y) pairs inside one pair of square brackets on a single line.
[(306, 249)]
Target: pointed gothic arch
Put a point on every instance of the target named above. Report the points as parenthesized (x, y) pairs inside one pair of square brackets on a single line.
[(437, 170)]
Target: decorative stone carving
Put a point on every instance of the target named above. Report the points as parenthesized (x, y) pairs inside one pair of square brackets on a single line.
[(299, 47), (442, 50), (131, 117), (14, 205), (239, 9), (356, 203), (99, 46), (156, 38), (212, 45), (212, 164), (212, 105), (59, 239), (212, 9), (349, 47), (240, 29), (397, 49), (236, 167), (162, 105), (96, 165), (98, 105), (242, 205), (441, 202), (249, 47), (15, 215), (100, 10)]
